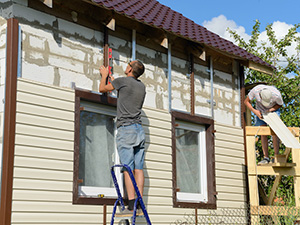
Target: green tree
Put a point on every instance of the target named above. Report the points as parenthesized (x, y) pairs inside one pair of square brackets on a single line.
[(286, 77)]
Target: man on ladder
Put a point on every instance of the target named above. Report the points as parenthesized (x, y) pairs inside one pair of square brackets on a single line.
[(130, 136)]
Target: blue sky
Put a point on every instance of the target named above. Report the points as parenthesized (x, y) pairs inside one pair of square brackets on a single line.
[(240, 16), (242, 12)]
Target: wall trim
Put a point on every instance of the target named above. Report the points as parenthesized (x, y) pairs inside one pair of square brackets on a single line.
[(12, 39)]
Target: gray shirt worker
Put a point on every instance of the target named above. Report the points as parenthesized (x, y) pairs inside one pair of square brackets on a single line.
[(131, 95)]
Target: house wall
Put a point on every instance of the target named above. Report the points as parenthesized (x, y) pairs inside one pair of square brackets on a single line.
[(43, 170), (56, 53), (2, 82)]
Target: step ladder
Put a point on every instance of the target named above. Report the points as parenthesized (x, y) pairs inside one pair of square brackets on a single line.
[(120, 199)]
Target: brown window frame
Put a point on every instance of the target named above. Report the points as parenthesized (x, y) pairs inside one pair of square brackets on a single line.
[(85, 95), (210, 157)]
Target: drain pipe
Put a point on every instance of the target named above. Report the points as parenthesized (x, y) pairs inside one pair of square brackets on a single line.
[(169, 77), (133, 44)]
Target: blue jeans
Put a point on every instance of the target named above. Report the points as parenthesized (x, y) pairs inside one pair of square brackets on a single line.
[(259, 122), (131, 145)]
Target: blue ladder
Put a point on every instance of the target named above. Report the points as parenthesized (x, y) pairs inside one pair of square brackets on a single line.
[(120, 199)]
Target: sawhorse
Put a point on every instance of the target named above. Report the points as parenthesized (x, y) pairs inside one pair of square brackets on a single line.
[(139, 198)]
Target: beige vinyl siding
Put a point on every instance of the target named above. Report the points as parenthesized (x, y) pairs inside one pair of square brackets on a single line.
[(230, 167), (43, 169)]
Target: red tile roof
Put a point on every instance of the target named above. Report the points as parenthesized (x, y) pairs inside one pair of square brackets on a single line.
[(153, 13)]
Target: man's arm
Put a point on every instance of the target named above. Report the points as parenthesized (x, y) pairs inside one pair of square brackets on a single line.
[(103, 87), (274, 108), (255, 111)]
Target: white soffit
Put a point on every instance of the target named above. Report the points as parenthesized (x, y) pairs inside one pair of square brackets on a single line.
[(279, 128)]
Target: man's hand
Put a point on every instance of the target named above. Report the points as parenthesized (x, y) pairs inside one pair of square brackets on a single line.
[(257, 113), (103, 87), (104, 71)]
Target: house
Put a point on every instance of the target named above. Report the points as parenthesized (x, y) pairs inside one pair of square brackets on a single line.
[(57, 130)]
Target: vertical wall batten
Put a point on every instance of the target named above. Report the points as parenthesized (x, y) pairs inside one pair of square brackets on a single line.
[(133, 50), (9, 121), (211, 70), (170, 77)]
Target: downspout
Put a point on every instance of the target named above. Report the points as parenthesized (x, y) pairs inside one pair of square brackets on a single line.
[(169, 77), (133, 44)]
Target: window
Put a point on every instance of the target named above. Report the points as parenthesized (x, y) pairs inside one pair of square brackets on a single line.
[(95, 150), (190, 162), (193, 161)]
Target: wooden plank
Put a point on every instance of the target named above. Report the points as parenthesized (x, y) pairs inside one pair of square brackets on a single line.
[(278, 165), (269, 170), (274, 189), (297, 190), (253, 130), (251, 157), (253, 190)]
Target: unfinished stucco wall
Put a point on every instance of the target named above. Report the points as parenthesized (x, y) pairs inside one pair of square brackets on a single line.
[(227, 98), (3, 26), (202, 90)]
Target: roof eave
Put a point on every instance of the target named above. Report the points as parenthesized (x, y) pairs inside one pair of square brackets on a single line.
[(260, 68)]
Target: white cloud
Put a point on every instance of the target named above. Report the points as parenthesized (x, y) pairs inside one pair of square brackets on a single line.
[(220, 24)]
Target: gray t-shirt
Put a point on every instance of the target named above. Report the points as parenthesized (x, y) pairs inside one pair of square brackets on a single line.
[(131, 95)]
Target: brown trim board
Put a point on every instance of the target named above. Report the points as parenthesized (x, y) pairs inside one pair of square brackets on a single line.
[(10, 120)]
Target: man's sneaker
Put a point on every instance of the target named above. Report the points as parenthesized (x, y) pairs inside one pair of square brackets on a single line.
[(125, 213), (129, 213), (139, 212), (266, 160)]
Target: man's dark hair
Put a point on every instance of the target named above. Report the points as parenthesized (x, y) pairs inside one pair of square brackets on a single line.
[(137, 68)]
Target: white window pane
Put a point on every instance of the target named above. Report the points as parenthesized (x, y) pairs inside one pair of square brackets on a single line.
[(96, 149), (188, 161)]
